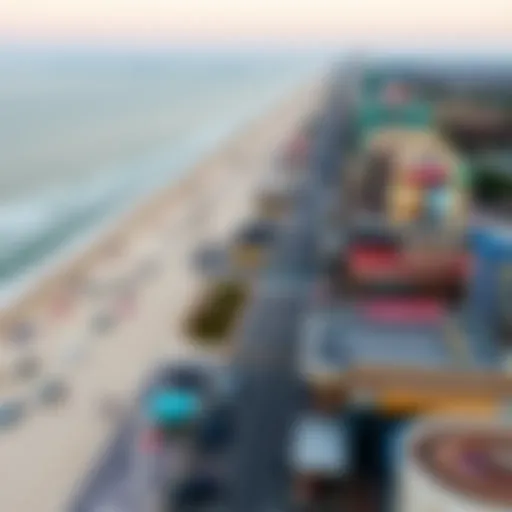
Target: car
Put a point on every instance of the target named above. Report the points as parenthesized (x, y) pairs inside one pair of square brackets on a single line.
[(257, 233), (199, 493), (216, 430), (173, 410), (187, 376), (226, 385), (22, 332), (318, 456), (211, 259)]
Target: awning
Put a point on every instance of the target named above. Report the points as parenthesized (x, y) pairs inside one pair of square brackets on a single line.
[(173, 407)]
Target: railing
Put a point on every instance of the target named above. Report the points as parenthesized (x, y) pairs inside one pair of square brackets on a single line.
[(452, 383)]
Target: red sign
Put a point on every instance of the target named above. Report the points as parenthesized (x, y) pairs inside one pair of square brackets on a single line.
[(395, 94), (381, 263), (403, 310)]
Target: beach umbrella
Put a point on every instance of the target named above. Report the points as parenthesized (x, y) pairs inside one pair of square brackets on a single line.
[(52, 391), (173, 407), (186, 377), (61, 306), (22, 332), (26, 366), (127, 305)]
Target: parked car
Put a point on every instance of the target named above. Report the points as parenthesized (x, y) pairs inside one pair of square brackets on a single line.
[(226, 385), (257, 233), (216, 430), (318, 456), (199, 493), (173, 411), (186, 376), (211, 260), (148, 269)]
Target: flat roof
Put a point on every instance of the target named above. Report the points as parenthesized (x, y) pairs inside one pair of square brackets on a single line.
[(480, 466), (417, 344), (320, 351), (333, 343)]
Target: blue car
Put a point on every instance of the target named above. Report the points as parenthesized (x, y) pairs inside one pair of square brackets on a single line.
[(199, 493)]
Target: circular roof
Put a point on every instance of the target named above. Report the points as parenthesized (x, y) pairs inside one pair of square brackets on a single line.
[(476, 463)]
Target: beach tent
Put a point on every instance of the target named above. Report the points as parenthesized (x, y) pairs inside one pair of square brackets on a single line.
[(173, 407), (61, 306)]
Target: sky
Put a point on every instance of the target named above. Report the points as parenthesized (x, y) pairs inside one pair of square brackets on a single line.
[(157, 22)]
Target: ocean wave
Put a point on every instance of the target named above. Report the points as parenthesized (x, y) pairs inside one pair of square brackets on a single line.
[(39, 231)]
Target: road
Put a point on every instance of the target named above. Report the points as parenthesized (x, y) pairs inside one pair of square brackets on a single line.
[(271, 392)]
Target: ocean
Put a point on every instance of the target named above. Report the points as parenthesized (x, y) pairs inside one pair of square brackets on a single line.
[(84, 135)]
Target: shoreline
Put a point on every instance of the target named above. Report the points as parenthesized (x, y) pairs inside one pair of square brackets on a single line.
[(73, 260), (51, 452)]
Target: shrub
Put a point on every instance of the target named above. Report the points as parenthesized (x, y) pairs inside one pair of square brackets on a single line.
[(213, 318), (491, 186)]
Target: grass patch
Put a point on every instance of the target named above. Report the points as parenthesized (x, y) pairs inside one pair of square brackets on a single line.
[(490, 186), (212, 320)]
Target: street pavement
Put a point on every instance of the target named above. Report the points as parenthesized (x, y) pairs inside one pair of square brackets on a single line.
[(268, 340)]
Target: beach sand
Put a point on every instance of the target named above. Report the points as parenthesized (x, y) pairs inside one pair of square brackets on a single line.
[(46, 456)]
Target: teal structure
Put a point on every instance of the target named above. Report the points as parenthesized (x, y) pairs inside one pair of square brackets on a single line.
[(374, 113), (173, 407)]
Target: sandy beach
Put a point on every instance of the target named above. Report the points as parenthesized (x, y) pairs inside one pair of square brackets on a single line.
[(45, 457)]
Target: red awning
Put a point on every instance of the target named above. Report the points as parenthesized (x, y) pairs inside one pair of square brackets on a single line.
[(374, 261), (369, 262), (403, 310)]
